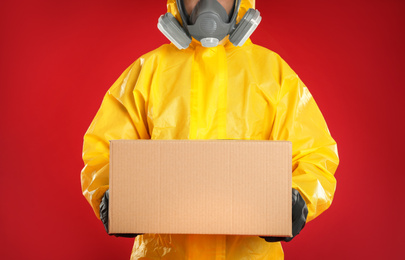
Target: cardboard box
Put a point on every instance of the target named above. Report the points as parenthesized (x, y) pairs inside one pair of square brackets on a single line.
[(200, 187)]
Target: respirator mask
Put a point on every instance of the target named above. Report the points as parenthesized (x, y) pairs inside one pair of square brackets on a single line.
[(208, 23)]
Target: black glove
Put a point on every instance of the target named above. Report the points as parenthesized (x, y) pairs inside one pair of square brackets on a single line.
[(104, 215), (299, 217)]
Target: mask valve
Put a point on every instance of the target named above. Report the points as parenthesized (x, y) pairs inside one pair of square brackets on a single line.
[(209, 42)]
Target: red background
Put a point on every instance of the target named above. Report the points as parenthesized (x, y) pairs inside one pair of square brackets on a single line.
[(58, 58)]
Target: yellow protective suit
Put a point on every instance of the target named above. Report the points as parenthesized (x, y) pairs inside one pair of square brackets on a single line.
[(224, 92)]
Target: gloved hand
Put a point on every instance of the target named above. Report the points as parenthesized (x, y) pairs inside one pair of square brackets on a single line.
[(104, 215), (299, 217)]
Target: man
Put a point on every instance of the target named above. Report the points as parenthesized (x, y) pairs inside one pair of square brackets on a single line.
[(205, 87)]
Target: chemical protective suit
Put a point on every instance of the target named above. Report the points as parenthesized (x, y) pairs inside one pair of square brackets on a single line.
[(222, 92)]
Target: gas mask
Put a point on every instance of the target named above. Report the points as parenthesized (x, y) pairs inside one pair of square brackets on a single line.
[(208, 23)]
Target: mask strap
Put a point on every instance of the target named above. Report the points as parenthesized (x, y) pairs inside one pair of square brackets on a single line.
[(183, 14), (235, 10)]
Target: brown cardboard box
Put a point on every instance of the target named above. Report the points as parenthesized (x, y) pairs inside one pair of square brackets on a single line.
[(200, 187)]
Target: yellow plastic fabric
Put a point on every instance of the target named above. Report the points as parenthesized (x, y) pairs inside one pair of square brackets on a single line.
[(225, 92)]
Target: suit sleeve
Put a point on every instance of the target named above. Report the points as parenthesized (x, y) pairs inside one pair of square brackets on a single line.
[(315, 157), (122, 115)]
